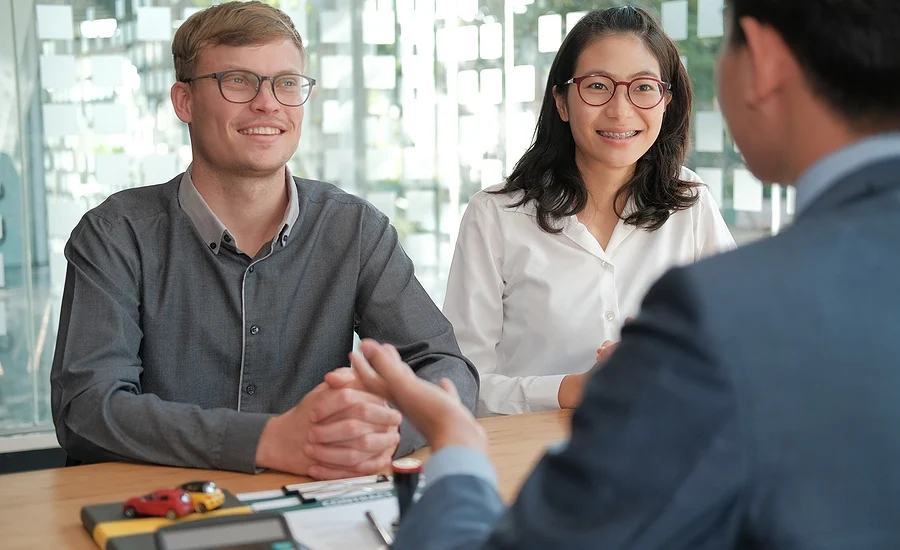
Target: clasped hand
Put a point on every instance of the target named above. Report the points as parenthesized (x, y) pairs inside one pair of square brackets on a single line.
[(337, 430)]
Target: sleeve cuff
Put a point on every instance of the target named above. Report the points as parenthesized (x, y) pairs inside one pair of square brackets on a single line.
[(240, 438), (459, 461), (543, 395)]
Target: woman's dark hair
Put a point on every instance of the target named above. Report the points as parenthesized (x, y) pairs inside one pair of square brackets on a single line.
[(547, 173)]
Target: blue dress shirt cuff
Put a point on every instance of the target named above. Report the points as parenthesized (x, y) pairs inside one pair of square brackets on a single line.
[(459, 461)]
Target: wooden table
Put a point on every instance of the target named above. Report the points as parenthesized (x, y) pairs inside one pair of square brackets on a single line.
[(41, 509)]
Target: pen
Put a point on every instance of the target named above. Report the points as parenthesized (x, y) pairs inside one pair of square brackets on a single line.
[(379, 530), (314, 486)]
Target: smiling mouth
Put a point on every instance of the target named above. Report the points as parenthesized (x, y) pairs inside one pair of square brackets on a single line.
[(618, 135), (261, 131)]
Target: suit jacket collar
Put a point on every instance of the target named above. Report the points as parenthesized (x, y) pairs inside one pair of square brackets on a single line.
[(873, 179)]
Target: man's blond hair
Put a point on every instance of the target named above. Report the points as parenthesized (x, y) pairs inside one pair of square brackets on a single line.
[(230, 24)]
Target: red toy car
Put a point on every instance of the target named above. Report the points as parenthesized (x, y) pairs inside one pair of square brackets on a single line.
[(171, 503)]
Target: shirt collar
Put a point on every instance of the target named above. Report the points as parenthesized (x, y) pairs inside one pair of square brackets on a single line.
[(211, 228), (828, 171)]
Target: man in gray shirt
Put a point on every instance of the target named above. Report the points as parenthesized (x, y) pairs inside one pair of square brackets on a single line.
[(204, 320)]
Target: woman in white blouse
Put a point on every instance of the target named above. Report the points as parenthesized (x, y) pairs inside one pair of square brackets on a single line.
[(549, 265)]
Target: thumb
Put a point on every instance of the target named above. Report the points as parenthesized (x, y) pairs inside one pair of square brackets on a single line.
[(338, 378), (391, 369)]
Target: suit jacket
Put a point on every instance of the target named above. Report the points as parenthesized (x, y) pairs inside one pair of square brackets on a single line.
[(754, 403)]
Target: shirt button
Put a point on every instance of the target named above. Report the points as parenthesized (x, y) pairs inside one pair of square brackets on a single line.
[(226, 237), (251, 269), (212, 246), (254, 329), (610, 315), (250, 389)]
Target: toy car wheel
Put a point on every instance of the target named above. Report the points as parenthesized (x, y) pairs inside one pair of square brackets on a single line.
[(171, 514), (130, 512), (201, 508)]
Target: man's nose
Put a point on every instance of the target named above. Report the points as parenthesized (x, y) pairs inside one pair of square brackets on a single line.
[(265, 100)]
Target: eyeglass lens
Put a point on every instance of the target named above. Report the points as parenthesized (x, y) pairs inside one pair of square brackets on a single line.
[(241, 87), (644, 93)]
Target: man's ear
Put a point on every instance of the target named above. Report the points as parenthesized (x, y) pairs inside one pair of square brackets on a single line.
[(181, 101), (770, 59), (561, 107)]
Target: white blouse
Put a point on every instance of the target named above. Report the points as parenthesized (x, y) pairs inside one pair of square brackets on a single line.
[(529, 307)]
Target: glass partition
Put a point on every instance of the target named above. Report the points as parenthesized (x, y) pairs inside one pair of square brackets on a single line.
[(419, 104)]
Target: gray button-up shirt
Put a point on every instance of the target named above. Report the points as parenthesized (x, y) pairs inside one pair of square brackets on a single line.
[(175, 348)]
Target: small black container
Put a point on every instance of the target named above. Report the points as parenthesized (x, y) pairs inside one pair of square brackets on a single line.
[(406, 480)]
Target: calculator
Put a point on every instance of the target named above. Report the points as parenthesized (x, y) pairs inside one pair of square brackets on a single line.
[(237, 532)]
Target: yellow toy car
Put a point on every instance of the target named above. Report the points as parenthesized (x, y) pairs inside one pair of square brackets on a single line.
[(204, 495)]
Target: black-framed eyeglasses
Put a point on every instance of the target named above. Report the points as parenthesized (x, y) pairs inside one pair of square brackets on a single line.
[(597, 89), (291, 90)]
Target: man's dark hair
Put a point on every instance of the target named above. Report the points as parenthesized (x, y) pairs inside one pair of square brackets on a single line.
[(848, 49)]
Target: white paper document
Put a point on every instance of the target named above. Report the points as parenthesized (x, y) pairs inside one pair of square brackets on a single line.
[(335, 27), (336, 71), (491, 40), (54, 22), (710, 130), (378, 26), (342, 527), (108, 70), (675, 19), (713, 178), (60, 120), (748, 191), (710, 21), (58, 72), (491, 90), (520, 83), (154, 23), (379, 72), (466, 43), (110, 118), (549, 32)]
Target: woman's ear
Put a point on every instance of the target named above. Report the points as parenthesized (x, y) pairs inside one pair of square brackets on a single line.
[(561, 107)]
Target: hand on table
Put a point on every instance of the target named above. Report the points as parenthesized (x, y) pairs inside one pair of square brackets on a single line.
[(605, 350), (607, 347), (337, 430), (571, 389), (435, 411)]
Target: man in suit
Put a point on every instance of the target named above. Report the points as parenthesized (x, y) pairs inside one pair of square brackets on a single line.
[(753, 402)]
